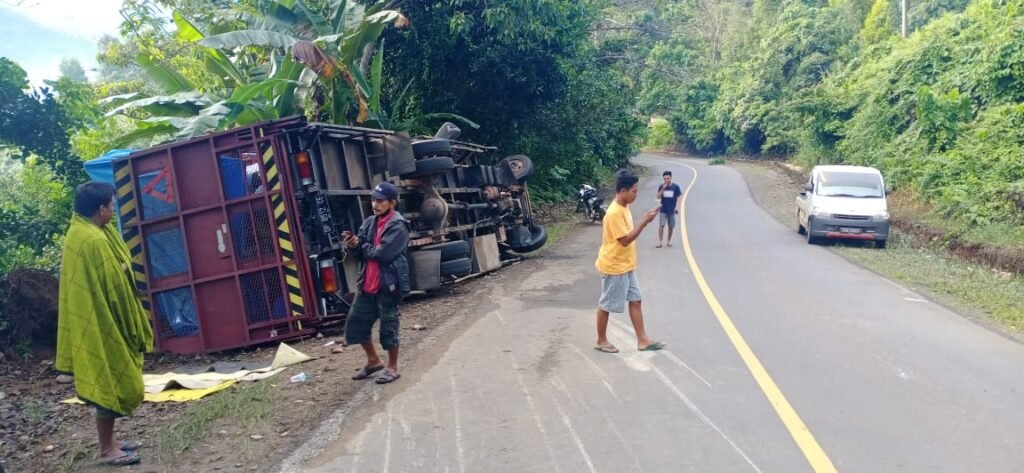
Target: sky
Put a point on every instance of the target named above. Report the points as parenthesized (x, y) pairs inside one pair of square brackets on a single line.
[(37, 34)]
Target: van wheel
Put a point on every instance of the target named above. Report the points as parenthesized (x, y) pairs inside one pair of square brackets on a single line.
[(811, 239)]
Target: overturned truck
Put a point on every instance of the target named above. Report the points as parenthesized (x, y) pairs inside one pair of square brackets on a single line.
[(236, 236)]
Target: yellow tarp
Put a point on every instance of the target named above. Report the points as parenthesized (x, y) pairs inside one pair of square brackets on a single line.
[(183, 387), (174, 395)]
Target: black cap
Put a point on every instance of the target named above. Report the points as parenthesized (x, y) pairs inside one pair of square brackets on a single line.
[(385, 190)]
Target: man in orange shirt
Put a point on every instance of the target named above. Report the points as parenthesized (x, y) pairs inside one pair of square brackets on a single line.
[(616, 261)]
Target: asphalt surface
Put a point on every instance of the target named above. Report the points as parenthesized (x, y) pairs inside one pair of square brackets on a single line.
[(782, 357)]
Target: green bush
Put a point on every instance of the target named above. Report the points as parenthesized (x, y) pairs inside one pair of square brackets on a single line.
[(659, 135)]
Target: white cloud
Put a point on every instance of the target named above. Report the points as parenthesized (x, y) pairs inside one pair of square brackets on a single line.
[(86, 19)]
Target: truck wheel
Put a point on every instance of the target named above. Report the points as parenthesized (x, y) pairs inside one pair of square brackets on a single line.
[(451, 250), (520, 164), (880, 244), (799, 226), (457, 267), (424, 270), (434, 147), (432, 166), (527, 240)]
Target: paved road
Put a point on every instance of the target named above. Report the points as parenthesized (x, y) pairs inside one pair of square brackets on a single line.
[(782, 358)]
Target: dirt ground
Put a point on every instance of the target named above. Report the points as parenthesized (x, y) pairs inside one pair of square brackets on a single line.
[(248, 427)]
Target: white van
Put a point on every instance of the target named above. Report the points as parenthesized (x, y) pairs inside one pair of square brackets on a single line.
[(844, 202)]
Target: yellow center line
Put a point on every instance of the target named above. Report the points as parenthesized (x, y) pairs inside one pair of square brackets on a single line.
[(797, 429)]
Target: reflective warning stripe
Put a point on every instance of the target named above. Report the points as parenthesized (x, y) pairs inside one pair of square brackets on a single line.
[(125, 194), (284, 232), (129, 221)]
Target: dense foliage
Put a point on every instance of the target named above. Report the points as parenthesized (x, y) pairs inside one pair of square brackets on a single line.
[(939, 111)]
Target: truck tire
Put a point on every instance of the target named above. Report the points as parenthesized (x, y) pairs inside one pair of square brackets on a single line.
[(424, 271), (799, 226), (527, 240), (451, 250), (880, 244), (457, 267), (432, 166), (434, 147), (520, 165)]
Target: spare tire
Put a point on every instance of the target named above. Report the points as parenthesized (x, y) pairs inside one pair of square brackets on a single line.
[(451, 250), (457, 267), (432, 166), (527, 240), (434, 147), (520, 165)]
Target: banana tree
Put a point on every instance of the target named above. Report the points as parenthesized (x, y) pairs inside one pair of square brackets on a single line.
[(398, 118), (298, 51)]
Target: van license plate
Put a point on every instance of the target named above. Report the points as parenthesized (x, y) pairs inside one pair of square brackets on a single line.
[(850, 230)]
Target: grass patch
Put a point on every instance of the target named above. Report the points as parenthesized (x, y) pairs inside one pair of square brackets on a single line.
[(76, 458), (558, 224), (249, 404), (716, 162), (34, 411), (965, 286), (911, 206)]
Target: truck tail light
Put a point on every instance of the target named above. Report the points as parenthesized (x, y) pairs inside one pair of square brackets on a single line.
[(328, 276), (305, 168)]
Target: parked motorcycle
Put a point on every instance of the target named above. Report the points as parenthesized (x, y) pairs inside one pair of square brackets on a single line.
[(590, 204)]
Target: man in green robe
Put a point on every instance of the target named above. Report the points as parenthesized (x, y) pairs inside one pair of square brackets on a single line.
[(103, 329)]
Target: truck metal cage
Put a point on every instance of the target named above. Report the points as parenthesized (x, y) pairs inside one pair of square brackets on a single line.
[(235, 236)]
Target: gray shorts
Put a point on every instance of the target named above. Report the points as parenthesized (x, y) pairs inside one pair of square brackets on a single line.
[(667, 219), (617, 290)]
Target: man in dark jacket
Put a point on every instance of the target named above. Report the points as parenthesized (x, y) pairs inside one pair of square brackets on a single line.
[(383, 280)]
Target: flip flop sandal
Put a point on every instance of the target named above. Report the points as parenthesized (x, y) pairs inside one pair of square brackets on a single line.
[(123, 460), (606, 349), (388, 377), (131, 445), (366, 372), (653, 347)]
